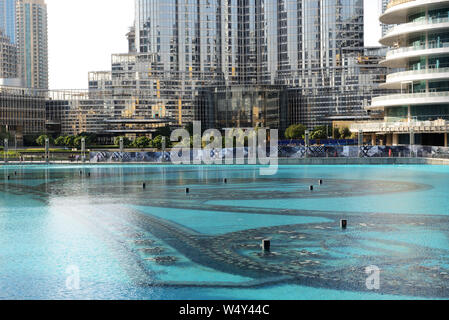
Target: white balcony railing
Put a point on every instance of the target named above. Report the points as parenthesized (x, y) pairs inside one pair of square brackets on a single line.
[(393, 3), (394, 52), (396, 75), (411, 96), (401, 126), (406, 27)]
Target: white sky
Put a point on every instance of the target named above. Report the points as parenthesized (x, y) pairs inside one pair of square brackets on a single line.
[(84, 33)]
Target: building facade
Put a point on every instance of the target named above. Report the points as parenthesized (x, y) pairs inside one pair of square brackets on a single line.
[(8, 18), (419, 58), (385, 27), (22, 111), (8, 58), (312, 48), (32, 42)]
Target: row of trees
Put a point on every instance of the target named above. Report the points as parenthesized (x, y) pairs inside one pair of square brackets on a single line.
[(343, 133), (143, 142), (67, 141), (293, 132), (297, 131)]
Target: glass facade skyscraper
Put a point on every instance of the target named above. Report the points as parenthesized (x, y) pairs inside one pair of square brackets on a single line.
[(8, 18), (252, 41), (32, 42), (192, 59), (314, 47)]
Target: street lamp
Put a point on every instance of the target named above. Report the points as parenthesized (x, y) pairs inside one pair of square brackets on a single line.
[(122, 145), (5, 150), (360, 142), (83, 149), (47, 150)]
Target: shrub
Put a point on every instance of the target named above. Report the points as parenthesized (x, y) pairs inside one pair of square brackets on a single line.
[(60, 141), (296, 131), (41, 140)]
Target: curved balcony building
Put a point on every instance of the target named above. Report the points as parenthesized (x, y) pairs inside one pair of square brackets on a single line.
[(419, 60)]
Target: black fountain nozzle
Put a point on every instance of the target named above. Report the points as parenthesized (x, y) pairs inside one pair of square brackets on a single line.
[(266, 245)]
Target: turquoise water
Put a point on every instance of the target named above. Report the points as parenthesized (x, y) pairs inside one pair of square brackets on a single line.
[(160, 243)]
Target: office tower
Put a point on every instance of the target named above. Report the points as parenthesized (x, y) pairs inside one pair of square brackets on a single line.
[(32, 42), (8, 18), (419, 58), (299, 61), (8, 57)]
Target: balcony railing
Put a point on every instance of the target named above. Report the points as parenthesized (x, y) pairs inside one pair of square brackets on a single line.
[(393, 3), (417, 48), (402, 126), (405, 26), (393, 76), (404, 96)]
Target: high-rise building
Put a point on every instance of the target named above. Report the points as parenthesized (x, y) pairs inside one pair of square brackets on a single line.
[(32, 42), (314, 47), (8, 58), (419, 58), (300, 61), (8, 18)]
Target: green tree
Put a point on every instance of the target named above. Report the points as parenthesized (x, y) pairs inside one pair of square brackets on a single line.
[(77, 142), (345, 133), (337, 134), (69, 141), (141, 142), (318, 134), (157, 143), (60, 141), (126, 141), (41, 140), (296, 131)]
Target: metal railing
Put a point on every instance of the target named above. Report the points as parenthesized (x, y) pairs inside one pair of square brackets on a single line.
[(395, 75), (401, 126), (411, 96), (405, 26), (441, 45), (394, 3)]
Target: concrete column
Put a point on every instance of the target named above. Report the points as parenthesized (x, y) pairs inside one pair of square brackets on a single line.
[(373, 139), (389, 139), (83, 149), (122, 145), (5, 150), (395, 139), (47, 150), (307, 138)]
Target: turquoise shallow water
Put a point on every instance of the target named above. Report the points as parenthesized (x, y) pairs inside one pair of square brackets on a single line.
[(161, 243)]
